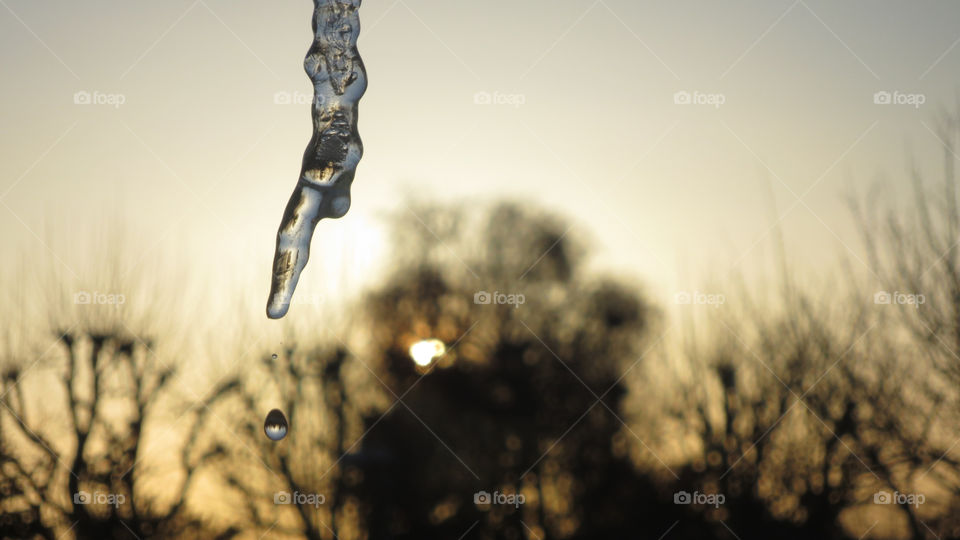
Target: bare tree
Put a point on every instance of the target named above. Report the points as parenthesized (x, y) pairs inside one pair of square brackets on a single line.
[(87, 478), (913, 252), (295, 487)]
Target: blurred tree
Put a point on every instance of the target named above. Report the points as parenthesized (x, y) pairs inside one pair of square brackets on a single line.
[(89, 481), (527, 398), (797, 415), (912, 253), (787, 426), (294, 487)]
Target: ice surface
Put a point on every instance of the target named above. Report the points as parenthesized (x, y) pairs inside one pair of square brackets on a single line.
[(330, 161)]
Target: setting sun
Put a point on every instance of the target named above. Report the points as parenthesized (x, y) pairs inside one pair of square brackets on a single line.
[(423, 352)]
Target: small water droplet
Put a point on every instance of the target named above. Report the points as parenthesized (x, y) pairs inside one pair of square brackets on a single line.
[(274, 357), (275, 426)]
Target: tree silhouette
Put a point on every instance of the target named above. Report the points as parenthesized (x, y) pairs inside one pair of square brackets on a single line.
[(527, 399), (554, 397), (89, 479)]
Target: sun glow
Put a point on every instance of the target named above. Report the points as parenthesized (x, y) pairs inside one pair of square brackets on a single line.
[(423, 352)]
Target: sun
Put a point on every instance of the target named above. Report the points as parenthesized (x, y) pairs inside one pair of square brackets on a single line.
[(423, 352)]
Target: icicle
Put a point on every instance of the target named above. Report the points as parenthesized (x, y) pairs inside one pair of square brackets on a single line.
[(331, 158)]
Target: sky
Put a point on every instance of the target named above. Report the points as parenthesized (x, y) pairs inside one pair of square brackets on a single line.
[(675, 134)]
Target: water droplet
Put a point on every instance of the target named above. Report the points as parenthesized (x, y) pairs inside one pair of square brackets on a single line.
[(275, 426), (274, 357)]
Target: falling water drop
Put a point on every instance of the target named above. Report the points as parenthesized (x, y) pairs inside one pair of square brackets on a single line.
[(275, 426), (330, 161)]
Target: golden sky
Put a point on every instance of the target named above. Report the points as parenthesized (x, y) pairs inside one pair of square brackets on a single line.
[(190, 149)]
